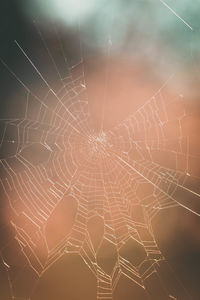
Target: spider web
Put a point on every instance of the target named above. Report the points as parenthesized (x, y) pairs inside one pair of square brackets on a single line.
[(105, 188)]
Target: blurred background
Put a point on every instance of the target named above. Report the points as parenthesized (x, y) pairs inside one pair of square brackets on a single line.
[(129, 49)]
